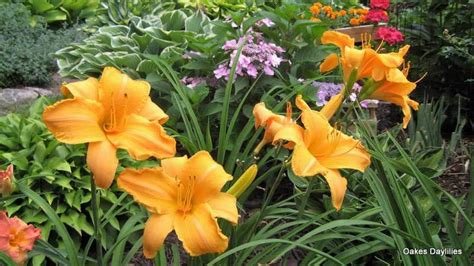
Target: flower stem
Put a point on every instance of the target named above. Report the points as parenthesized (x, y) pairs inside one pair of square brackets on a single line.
[(267, 200), (306, 197), (96, 221)]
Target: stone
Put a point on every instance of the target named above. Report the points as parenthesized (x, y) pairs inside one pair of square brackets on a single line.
[(14, 99)]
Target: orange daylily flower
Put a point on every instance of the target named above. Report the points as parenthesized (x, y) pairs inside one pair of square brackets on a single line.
[(324, 150), (395, 89), (110, 113), (341, 40), (6, 181), (183, 194), (366, 61), (16, 237), (331, 62), (273, 123)]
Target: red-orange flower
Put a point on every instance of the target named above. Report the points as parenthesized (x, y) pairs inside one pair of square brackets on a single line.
[(17, 237)]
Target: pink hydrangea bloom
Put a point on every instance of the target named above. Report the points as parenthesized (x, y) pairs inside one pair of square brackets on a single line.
[(377, 16), (389, 34), (17, 237), (381, 4)]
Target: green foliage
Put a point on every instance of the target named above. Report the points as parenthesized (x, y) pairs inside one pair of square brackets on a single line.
[(25, 51), (153, 49), (53, 11), (57, 173), (120, 12), (393, 205), (440, 36)]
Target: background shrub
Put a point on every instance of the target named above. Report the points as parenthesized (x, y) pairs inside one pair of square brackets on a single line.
[(25, 51)]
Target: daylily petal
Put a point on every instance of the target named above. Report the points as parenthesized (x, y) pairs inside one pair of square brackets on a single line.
[(316, 131), (404, 50), (391, 60), (304, 163), (210, 176), (87, 89), (397, 76), (173, 167), (353, 58), (331, 62), (348, 153), (200, 232), (333, 105), (400, 100), (103, 162), (153, 112), (339, 39), (142, 139), (150, 187), (262, 115), (75, 121), (156, 229), (292, 133), (301, 104), (413, 104), (121, 94), (273, 126), (224, 205), (337, 185)]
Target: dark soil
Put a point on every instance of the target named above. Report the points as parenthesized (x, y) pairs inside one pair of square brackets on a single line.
[(456, 178)]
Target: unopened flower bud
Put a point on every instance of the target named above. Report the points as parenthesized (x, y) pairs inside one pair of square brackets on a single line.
[(6, 181), (244, 181)]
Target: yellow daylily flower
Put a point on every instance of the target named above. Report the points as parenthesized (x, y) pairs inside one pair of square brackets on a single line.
[(395, 89), (324, 150), (273, 123), (183, 194), (110, 113)]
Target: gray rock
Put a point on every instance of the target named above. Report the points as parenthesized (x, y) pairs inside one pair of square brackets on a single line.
[(15, 99), (41, 92)]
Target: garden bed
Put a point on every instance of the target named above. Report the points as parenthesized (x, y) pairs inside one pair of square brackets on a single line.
[(236, 134)]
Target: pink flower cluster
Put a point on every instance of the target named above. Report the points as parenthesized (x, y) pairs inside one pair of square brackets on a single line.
[(377, 12), (380, 4), (257, 55), (389, 34), (377, 16)]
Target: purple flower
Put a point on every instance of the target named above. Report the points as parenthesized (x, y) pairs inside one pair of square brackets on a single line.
[(257, 56), (327, 90), (265, 22), (192, 82), (221, 71), (230, 45)]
